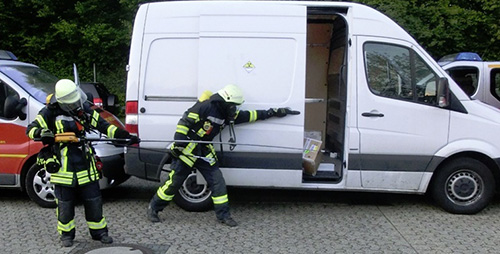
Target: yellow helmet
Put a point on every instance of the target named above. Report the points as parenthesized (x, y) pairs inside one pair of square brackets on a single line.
[(232, 93), (68, 95)]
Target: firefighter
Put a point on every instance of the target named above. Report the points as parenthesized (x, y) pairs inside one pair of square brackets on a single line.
[(202, 122), (72, 164)]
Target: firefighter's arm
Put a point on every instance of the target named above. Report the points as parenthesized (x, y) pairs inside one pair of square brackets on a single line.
[(248, 116), (34, 129)]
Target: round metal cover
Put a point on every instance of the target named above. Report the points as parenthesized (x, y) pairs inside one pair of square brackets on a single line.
[(117, 249)]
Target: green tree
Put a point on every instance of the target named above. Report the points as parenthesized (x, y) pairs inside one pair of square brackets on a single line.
[(448, 26)]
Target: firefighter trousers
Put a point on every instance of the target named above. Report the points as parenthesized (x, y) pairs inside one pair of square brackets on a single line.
[(90, 194), (180, 171)]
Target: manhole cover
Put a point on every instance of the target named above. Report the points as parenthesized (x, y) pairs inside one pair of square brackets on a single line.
[(116, 249)]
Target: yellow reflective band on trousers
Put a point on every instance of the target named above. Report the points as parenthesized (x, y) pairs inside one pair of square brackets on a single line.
[(111, 131), (182, 129), (95, 118), (161, 191), (220, 200), (65, 227), (97, 225)]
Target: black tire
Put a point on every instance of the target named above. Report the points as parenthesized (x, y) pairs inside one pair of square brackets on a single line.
[(39, 188), (463, 186), (194, 197)]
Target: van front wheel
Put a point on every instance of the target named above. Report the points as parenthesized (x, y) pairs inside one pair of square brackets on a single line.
[(463, 186), (194, 197)]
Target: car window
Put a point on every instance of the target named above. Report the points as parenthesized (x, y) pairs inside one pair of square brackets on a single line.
[(5, 92), (465, 77), (495, 83), (400, 73), (37, 82)]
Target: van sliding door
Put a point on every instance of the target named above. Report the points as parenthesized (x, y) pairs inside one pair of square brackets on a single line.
[(261, 48)]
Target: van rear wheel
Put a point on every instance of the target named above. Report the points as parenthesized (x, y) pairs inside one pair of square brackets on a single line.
[(194, 197), (463, 186), (39, 188)]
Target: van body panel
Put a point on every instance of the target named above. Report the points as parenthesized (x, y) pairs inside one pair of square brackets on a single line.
[(365, 88)]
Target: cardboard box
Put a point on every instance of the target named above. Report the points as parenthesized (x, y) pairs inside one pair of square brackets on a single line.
[(311, 157)]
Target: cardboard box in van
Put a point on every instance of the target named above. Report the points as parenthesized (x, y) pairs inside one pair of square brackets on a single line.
[(312, 156)]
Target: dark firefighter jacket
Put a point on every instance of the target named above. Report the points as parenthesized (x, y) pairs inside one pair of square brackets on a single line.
[(205, 120), (77, 160)]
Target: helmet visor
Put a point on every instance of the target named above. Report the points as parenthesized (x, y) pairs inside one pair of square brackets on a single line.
[(73, 101)]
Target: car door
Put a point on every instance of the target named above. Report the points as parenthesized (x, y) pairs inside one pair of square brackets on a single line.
[(14, 144), (400, 125)]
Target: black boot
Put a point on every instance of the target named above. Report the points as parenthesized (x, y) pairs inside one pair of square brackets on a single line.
[(152, 213), (66, 242)]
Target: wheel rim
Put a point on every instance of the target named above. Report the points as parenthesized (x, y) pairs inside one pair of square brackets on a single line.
[(464, 187), (193, 192), (42, 186)]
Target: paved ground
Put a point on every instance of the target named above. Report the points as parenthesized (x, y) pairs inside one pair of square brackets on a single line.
[(271, 221)]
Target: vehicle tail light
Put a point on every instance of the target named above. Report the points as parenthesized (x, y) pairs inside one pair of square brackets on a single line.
[(98, 164), (131, 123), (98, 102)]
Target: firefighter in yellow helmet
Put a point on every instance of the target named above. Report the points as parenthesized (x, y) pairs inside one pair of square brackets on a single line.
[(72, 165), (202, 122)]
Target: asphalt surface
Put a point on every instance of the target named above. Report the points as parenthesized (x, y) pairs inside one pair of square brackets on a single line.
[(270, 221)]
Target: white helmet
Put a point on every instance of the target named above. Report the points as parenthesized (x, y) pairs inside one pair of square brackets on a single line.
[(69, 96), (232, 93)]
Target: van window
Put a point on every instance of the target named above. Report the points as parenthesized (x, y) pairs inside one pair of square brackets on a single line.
[(398, 72), (5, 92), (495, 83), (37, 82), (465, 77)]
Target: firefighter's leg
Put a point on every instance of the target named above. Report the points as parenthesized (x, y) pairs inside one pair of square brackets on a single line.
[(65, 198), (92, 202), (217, 185), (166, 192)]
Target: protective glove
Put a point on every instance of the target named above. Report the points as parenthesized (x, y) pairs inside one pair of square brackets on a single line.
[(133, 140), (47, 137), (121, 133), (281, 112), (52, 167), (176, 151)]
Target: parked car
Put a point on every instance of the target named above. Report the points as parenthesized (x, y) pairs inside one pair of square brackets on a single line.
[(479, 79), (23, 91), (101, 96)]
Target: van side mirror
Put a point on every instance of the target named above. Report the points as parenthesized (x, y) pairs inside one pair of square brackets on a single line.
[(14, 107), (443, 93)]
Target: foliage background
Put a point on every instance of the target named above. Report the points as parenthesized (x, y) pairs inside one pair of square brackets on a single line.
[(54, 34)]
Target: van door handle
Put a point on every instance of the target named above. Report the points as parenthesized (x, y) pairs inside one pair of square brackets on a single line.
[(372, 114)]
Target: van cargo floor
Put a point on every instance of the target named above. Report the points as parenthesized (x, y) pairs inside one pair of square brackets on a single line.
[(321, 176)]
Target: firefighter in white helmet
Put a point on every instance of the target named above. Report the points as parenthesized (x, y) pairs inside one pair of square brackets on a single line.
[(202, 122), (72, 165)]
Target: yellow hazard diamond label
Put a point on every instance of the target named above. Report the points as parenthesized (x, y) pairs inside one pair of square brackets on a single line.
[(249, 66)]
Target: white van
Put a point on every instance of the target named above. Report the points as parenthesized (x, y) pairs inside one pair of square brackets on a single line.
[(387, 118), (479, 79)]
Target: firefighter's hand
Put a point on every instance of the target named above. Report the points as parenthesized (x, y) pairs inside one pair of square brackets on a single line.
[(52, 167), (176, 151), (281, 112), (47, 137), (133, 140)]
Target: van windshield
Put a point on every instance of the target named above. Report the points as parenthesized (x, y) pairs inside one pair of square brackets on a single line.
[(37, 82)]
